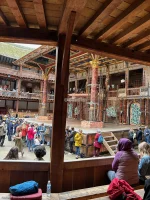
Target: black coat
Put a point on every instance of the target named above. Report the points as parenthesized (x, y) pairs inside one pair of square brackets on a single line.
[(139, 134), (147, 190)]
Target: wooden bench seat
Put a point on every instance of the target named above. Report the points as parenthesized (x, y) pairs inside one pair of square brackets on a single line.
[(139, 192), (94, 193)]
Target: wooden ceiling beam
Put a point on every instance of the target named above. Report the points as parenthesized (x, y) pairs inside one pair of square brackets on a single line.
[(137, 27), (4, 19), (135, 40), (111, 51), (40, 13), (143, 46), (101, 13), (29, 36), (76, 6), (17, 12), (131, 11)]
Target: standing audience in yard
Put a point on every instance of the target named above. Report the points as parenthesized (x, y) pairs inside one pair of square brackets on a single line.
[(147, 134), (98, 141), (30, 135), (18, 140), (3, 130), (71, 139), (139, 135), (78, 142)]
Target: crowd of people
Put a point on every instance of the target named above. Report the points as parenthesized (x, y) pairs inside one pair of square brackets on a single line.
[(23, 134)]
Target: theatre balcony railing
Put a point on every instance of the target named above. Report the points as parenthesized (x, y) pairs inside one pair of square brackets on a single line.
[(7, 93), (133, 91), (27, 95), (122, 92), (50, 96), (113, 93)]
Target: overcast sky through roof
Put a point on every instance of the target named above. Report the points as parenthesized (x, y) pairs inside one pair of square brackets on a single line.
[(33, 46)]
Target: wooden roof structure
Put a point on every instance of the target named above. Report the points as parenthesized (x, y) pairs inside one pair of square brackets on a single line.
[(118, 29), (46, 56)]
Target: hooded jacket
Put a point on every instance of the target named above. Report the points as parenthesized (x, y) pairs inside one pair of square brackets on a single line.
[(120, 190), (125, 163)]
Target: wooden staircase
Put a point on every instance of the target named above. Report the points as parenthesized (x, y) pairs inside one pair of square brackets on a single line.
[(110, 142)]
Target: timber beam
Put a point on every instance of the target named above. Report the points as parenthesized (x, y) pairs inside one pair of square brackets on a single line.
[(111, 51), (31, 36)]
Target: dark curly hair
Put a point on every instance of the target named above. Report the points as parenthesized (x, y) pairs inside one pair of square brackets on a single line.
[(40, 151), (12, 154)]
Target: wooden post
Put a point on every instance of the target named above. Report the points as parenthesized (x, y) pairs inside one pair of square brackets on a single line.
[(17, 106), (126, 80), (60, 106)]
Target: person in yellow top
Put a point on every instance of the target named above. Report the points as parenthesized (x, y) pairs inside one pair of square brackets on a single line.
[(78, 142)]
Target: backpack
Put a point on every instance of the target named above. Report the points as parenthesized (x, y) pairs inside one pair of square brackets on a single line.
[(100, 139)]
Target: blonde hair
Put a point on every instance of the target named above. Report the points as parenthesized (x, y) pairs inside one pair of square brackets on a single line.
[(144, 148)]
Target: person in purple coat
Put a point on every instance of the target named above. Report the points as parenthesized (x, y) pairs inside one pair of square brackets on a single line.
[(125, 163)]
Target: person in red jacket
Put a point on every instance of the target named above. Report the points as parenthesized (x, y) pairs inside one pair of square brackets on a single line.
[(30, 135), (97, 145)]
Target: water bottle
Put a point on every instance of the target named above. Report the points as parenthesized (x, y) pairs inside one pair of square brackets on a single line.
[(48, 189)]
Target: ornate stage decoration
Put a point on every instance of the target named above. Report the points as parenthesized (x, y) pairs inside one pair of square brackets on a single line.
[(111, 112), (69, 111), (135, 113), (76, 111)]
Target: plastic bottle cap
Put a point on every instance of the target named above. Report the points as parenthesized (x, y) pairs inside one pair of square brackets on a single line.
[(48, 181)]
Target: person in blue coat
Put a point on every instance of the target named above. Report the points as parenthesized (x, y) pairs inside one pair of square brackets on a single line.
[(147, 134), (10, 130), (144, 164)]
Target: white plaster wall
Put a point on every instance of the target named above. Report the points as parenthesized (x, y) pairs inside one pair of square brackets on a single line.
[(33, 105), (2, 103)]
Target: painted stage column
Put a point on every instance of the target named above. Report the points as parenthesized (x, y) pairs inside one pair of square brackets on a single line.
[(43, 109), (94, 92), (18, 94)]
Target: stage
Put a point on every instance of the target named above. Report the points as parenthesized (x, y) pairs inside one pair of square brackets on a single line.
[(108, 127)]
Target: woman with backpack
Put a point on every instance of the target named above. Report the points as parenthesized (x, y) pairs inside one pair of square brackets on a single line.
[(98, 141)]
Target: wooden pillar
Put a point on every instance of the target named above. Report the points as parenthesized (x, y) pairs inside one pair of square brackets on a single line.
[(125, 111), (43, 107), (147, 112), (144, 78), (60, 107), (76, 83), (121, 111), (126, 80), (17, 106)]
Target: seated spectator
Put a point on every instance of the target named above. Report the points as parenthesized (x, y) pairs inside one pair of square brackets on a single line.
[(12, 154), (125, 163), (144, 165), (40, 152), (37, 141)]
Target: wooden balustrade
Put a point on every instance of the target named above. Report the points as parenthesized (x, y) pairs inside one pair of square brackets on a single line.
[(112, 93), (77, 174), (133, 91)]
